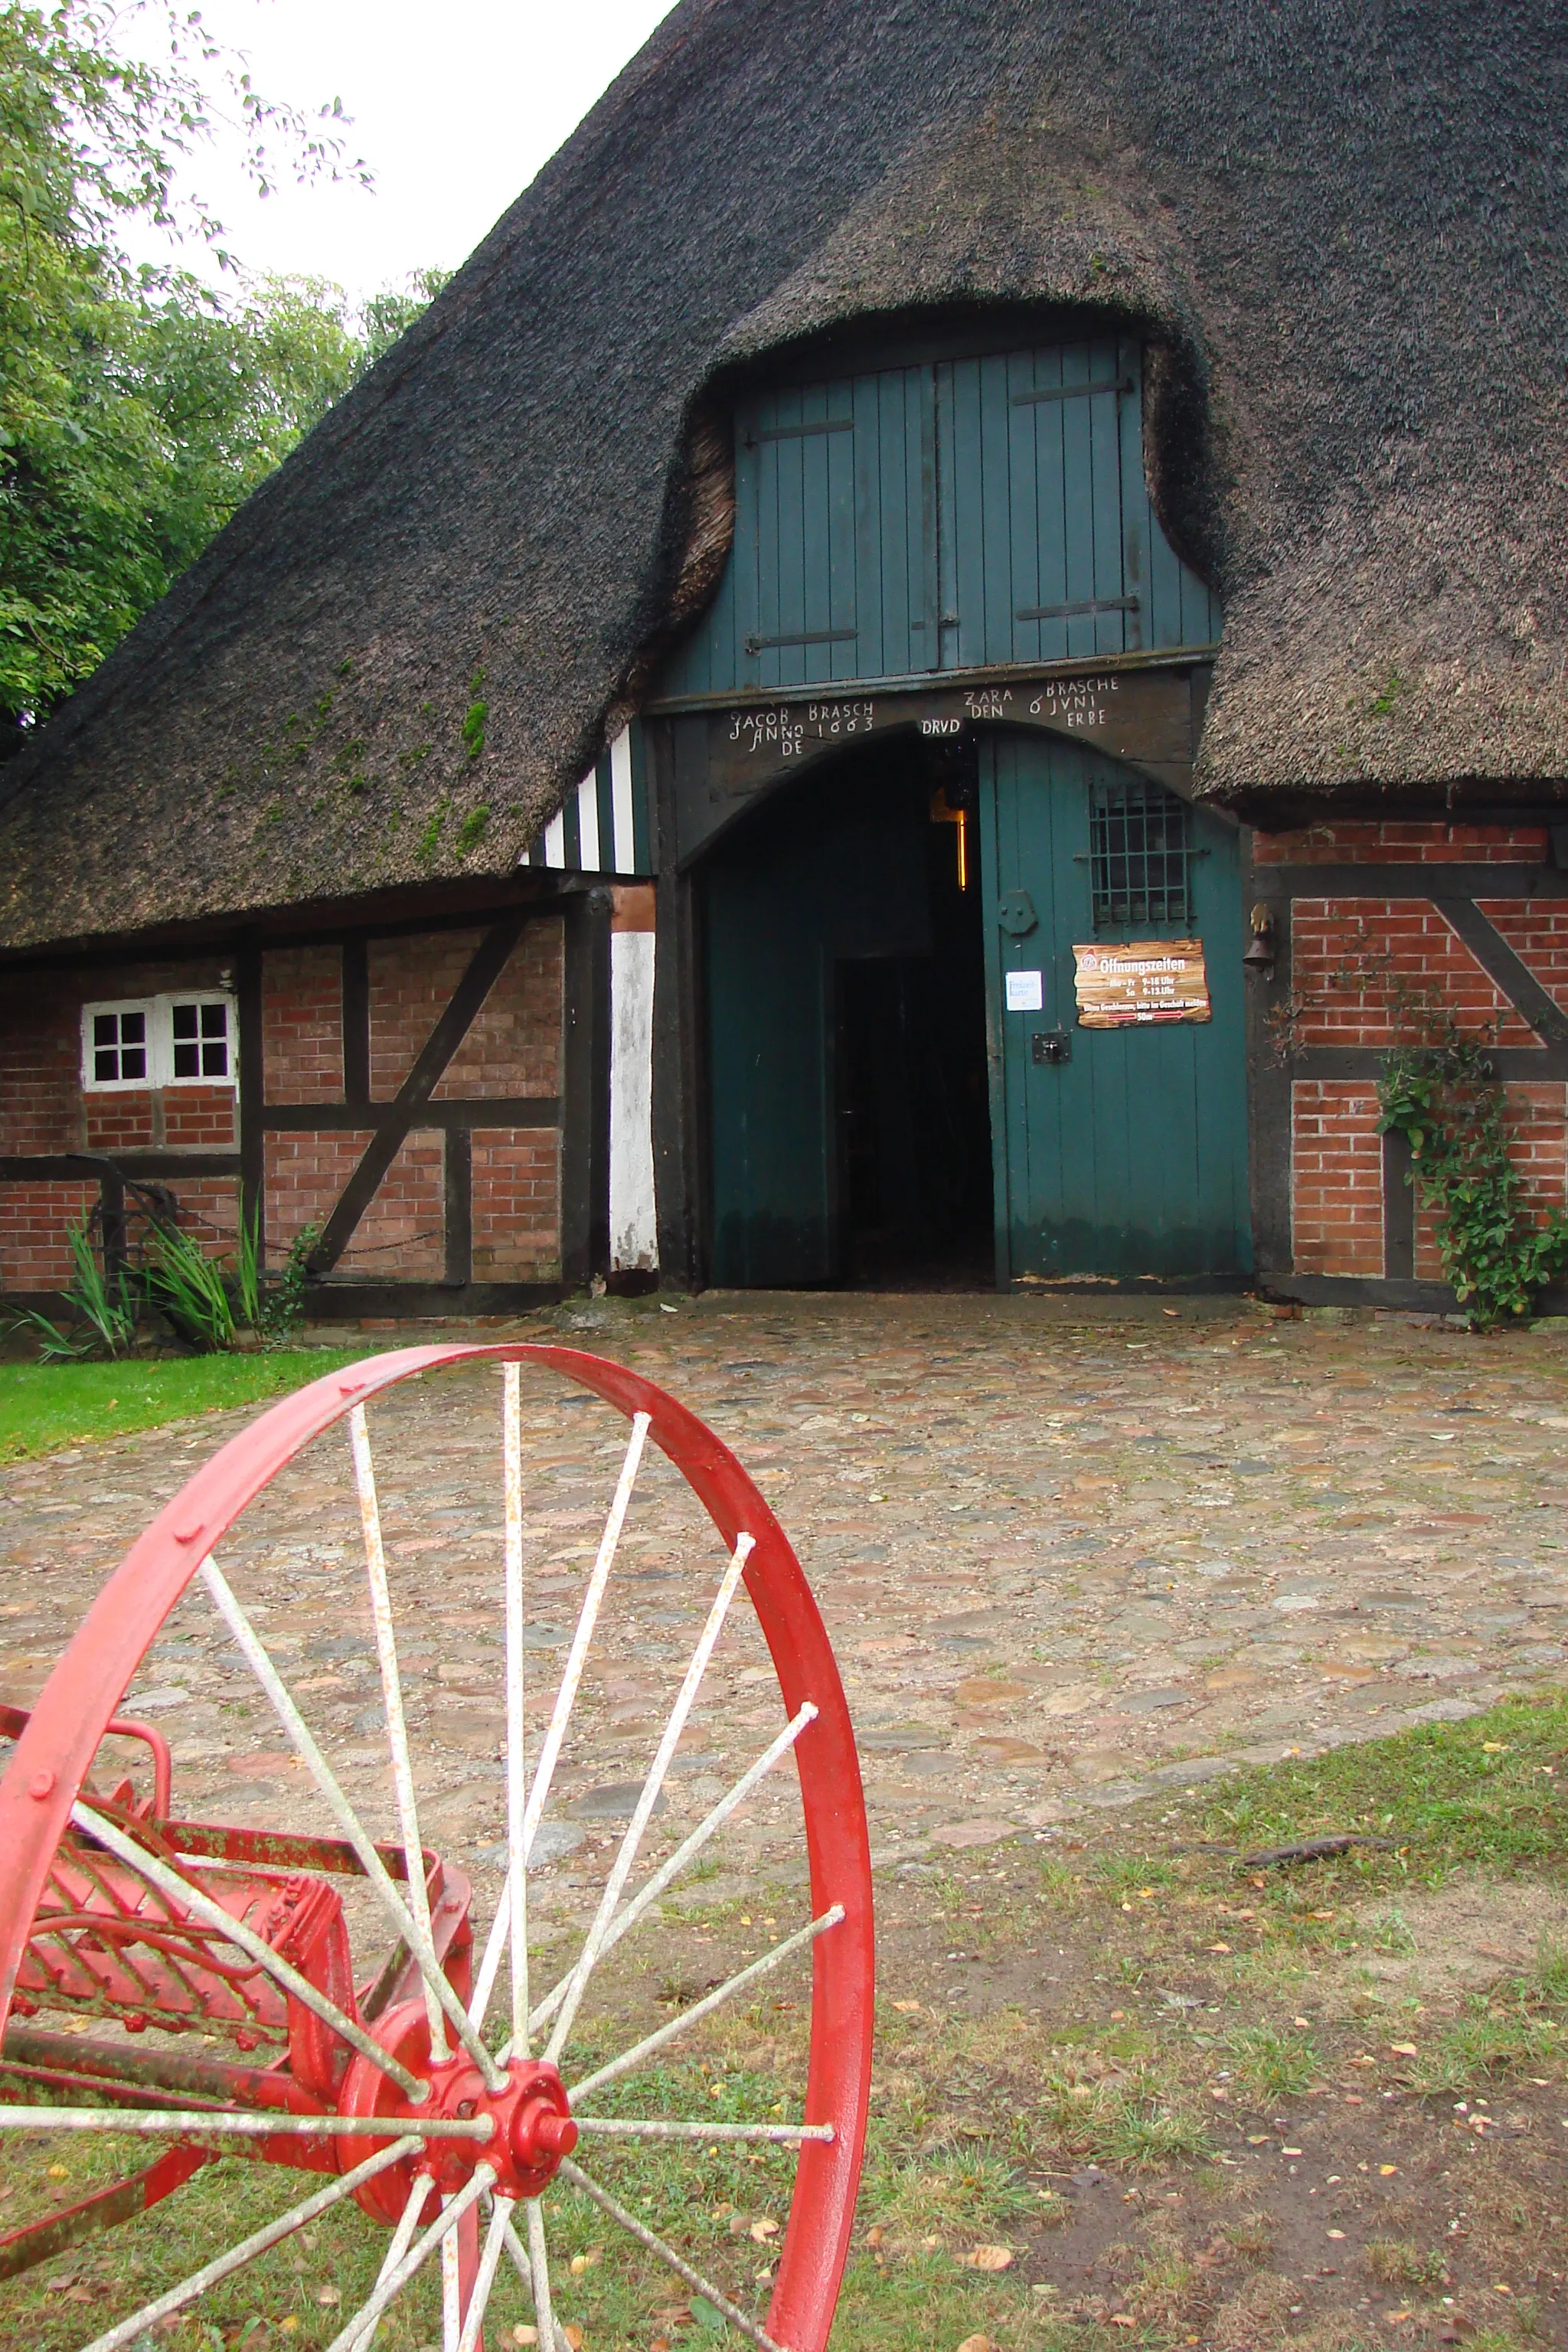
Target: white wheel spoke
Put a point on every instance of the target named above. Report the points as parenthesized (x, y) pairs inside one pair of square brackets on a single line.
[(391, 1698), (628, 2127), (517, 2255), (389, 2287), (490, 2260), (376, 1873), (561, 1713), (631, 1911), (179, 1890), (615, 1887), (451, 2293), (676, 2262), (230, 2123), (514, 1900), (705, 2008), (397, 2246), (297, 2218), (538, 2272)]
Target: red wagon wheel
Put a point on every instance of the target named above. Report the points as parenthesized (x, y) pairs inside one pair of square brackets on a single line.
[(394, 2085)]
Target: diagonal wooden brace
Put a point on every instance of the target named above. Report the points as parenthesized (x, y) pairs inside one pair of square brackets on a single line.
[(484, 969)]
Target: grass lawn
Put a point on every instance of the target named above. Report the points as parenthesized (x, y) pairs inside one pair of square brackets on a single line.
[(1131, 2089), (44, 1408)]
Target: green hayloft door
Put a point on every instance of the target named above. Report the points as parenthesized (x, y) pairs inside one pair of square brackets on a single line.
[(1124, 1149)]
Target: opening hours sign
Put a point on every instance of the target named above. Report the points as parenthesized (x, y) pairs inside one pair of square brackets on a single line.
[(1141, 982)]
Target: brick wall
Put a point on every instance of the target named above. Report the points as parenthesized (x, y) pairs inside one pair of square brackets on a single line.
[(33, 1221), (1362, 970), (1405, 841), (514, 1044), (403, 1233), (43, 1110), (513, 1049), (302, 1025), (517, 1196), (305, 1174), (1359, 963), (1537, 931), (41, 1067), (42, 1106), (1336, 1178)]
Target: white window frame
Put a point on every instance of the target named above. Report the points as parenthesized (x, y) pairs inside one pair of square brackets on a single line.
[(160, 1012)]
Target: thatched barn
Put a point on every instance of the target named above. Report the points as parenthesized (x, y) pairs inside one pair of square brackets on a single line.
[(900, 680)]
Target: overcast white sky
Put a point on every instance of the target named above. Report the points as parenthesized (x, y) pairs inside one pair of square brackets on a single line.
[(456, 103)]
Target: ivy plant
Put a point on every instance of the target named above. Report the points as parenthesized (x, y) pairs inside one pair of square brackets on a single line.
[(1439, 1088), (1448, 1102)]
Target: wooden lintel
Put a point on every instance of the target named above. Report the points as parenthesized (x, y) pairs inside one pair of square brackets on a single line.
[(723, 760)]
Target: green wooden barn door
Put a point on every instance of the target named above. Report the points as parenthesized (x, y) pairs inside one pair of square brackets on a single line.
[(943, 517), (1128, 1157)]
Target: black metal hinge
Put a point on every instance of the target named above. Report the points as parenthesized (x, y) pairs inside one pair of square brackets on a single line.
[(1071, 612), (799, 432), (806, 637), (1071, 391)]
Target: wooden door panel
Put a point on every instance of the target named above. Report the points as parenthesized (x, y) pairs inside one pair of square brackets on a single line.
[(1130, 1158), (954, 515)]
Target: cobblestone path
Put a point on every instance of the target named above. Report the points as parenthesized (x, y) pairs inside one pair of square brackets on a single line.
[(1064, 1561)]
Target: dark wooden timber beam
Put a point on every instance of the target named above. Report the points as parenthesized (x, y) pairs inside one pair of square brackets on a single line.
[(485, 967), (1368, 1062), (59, 1167), (1511, 972), (356, 1022), (1443, 881), (585, 1091), (468, 1111), (248, 1100), (459, 1202)]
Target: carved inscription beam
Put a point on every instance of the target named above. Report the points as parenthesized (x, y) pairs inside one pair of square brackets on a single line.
[(723, 760)]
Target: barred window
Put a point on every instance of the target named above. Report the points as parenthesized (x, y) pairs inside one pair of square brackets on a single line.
[(1139, 857)]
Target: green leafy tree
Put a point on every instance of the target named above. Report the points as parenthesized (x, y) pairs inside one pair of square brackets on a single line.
[(138, 408), (388, 314)]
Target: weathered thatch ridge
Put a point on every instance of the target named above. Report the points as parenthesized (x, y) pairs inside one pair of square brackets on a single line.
[(1341, 223)]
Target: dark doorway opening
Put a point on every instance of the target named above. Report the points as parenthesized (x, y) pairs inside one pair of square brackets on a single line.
[(850, 1135), (914, 1124)]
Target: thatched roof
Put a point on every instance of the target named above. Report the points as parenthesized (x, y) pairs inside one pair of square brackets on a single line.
[(1341, 222)]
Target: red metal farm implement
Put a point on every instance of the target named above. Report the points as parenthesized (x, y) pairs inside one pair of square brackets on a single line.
[(321, 2001)]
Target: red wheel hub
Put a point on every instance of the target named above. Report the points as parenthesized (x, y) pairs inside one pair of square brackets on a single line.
[(530, 2124)]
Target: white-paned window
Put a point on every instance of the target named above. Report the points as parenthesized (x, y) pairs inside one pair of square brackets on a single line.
[(199, 1042), (158, 1041), (114, 1044)]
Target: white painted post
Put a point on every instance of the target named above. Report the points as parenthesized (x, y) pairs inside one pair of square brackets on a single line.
[(633, 1240)]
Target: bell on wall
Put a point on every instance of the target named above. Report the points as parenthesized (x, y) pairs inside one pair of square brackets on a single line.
[(1261, 948)]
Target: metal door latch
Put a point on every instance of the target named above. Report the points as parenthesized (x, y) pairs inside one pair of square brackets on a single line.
[(1050, 1045)]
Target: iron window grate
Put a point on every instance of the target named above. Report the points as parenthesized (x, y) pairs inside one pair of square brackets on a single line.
[(1140, 858)]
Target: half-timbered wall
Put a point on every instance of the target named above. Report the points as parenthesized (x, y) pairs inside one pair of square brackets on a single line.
[(400, 1094), (1375, 921), (184, 1136)]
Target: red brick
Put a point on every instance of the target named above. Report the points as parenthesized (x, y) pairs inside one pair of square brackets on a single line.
[(1336, 1193)]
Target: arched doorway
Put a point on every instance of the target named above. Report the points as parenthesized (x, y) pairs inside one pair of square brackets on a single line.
[(937, 1051)]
